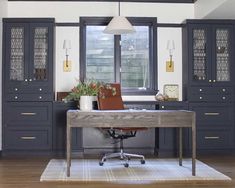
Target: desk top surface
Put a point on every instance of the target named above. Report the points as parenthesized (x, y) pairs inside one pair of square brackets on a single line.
[(130, 118), (129, 111)]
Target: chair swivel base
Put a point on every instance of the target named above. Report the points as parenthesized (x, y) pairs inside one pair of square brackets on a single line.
[(122, 156)]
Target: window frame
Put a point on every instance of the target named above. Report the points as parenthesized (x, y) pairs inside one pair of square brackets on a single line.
[(136, 21)]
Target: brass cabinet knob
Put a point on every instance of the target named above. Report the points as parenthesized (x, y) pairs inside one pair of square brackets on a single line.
[(163, 107), (16, 97), (16, 89), (209, 80), (40, 97), (200, 89), (200, 98)]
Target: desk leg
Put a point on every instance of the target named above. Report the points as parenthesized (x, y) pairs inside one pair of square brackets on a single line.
[(180, 146), (194, 145), (68, 154)]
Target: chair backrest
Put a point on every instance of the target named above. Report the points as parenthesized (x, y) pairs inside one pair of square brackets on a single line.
[(108, 100)]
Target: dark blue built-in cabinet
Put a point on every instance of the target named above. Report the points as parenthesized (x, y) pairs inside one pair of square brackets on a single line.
[(208, 81), (33, 122), (27, 83)]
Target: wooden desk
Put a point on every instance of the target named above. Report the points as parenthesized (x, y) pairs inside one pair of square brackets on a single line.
[(133, 118)]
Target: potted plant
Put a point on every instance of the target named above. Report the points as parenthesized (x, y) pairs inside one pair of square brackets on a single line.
[(85, 93)]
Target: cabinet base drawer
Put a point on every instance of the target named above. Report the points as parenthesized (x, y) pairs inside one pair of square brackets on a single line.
[(23, 139), (213, 115), (214, 139), (28, 113)]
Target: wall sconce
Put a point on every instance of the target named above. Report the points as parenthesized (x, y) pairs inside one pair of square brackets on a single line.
[(170, 63), (67, 65)]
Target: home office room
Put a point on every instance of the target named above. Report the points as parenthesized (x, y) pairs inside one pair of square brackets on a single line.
[(135, 93)]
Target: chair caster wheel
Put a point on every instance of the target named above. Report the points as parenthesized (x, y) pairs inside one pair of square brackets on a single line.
[(126, 165), (142, 161), (101, 163)]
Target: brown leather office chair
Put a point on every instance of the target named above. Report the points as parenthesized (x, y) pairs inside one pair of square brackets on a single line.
[(109, 98)]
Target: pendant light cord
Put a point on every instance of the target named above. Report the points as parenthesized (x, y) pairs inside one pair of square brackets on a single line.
[(119, 8)]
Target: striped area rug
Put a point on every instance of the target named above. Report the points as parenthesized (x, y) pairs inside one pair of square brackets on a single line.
[(113, 171)]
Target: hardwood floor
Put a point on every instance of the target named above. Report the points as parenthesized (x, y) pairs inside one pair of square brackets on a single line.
[(26, 172)]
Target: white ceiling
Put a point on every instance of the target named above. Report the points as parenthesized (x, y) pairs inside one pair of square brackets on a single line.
[(224, 11), (215, 9)]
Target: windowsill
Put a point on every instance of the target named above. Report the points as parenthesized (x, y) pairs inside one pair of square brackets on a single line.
[(139, 98)]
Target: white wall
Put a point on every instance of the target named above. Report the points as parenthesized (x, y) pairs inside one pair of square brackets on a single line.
[(164, 34), (71, 11), (65, 80), (3, 13)]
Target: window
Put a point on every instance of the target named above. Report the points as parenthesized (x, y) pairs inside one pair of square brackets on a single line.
[(99, 54), (129, 59)]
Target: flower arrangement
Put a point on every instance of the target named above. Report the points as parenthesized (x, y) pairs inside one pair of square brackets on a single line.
[(89, 88), (86, 88)]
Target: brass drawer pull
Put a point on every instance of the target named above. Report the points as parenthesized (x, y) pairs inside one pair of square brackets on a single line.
[(212, 137), (211, 114), (28, 114), (28, 137)]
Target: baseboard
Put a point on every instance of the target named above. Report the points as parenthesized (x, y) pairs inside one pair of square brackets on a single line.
[(22, 153), (202, 152)]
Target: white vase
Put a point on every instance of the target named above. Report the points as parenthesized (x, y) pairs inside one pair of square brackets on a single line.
[(85, 103)]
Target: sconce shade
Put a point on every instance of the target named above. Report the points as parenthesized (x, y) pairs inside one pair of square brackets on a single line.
[(119, 25), (170, 45), (67, 44)]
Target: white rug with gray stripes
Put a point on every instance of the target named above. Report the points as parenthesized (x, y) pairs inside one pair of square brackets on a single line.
[(113, 171)]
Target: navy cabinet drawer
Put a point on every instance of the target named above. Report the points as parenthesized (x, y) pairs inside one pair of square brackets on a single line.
[(210, 98), (29, 97), (28, 113), (214, 139), (173, 106), (29, 89), (211, 90), (22, 139), (212, 115), (210, 94)]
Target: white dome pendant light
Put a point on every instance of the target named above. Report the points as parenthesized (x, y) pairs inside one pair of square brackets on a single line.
[(119, 25)]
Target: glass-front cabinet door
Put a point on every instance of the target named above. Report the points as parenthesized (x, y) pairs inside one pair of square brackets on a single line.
[(222, 58), (40, 53), (200, 53), (40, 58), (16, 54)]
